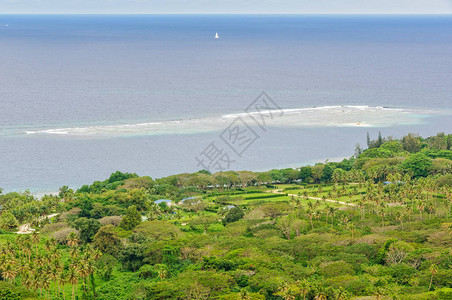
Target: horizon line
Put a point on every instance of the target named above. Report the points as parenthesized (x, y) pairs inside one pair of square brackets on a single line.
[(251, 14)]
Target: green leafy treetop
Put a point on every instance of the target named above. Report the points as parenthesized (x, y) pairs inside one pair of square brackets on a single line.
[(131, 219)]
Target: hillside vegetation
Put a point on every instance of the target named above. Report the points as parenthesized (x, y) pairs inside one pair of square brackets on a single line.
[(375, 226)]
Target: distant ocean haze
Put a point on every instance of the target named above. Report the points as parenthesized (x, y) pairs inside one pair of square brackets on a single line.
[(92, 91)]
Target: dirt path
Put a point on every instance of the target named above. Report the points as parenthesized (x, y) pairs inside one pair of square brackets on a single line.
[(279, 191), (25, 228)]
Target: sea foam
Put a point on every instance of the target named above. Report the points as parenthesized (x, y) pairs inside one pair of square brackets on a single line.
[(324, 116)]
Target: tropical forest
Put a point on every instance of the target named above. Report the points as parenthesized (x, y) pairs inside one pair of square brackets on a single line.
[(376, 225)]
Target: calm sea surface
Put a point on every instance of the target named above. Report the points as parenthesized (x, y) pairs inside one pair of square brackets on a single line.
[(84, 96)]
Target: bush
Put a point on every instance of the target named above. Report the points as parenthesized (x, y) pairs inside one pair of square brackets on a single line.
[(8, 221), (365, 249), (87, 228), (376, 153), (393, 146), (233, 215), (215, 228), (359, 286), (132, 256), (419, 164), (54, 227), (107, 240), (333, 269), (12, 292), (111, 220), (445, 180), (100, 211), (444, 293), (402, 273), (131, 219), (158, 230), (148, 271), (61, 235)]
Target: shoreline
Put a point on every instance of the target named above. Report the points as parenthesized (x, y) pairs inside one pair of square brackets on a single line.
[(39, 193)]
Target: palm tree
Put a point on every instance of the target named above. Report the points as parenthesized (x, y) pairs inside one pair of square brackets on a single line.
[(379, 293), (48, 246), (244, 295), (83, 273), (433, 271), (162, 273), (35, 238), (72, 240), (28, 249), (27, 279), (154, 212), (23, 266), (91, 268), (399, 217), (74, 252), (420, 206), (382, 213), (54, 274), (73, 279), (332, 212), (305, 287), (340, 294), (310, 215), (45, 282), (55, 255), (62, 280), (285, 293), (361, 206), (320, 293), (408, 209), (352, 228), (9, 272), (327, 213), (431, 210)]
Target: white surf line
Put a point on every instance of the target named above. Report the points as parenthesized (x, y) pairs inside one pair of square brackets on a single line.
[(324, 116)]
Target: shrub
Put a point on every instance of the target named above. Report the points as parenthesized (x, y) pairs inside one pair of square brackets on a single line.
[(100, 210), (364, 249), (393, 146), (111, 220), (158, 230), (53, 227), (445, 180), (148, 271), (333, 269), (215, 227), (402, 273), (8, 221), (360, 285), (107, 240), (131, 219), (61, 235), (12, 292), (419, 164), (87, 227), (233, 215), (377, 153)]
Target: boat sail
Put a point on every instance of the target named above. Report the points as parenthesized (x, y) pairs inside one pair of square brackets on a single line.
[(217, 36)]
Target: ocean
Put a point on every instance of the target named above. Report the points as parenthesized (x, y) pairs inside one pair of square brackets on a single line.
[(82, 96)]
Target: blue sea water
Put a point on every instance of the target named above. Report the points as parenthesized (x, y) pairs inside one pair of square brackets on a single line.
[(75, 91)]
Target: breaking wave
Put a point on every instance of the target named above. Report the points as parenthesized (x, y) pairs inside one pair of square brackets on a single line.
[(325, 116)]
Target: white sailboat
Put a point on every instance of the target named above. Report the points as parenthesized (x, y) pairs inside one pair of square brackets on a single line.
[(217, 36)]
